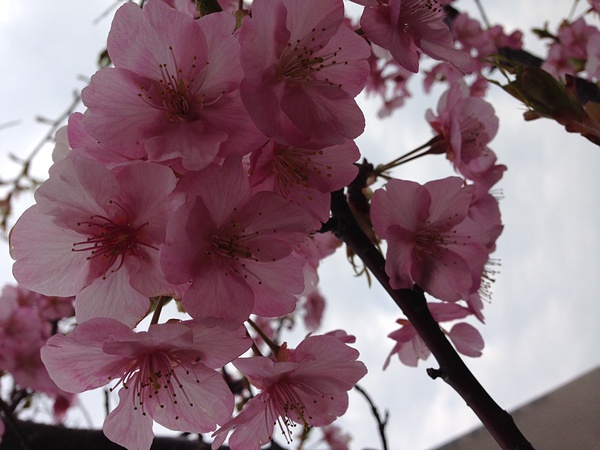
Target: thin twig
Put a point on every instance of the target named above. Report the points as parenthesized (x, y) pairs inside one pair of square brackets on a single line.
[(15, 184), (483, 15), (380, 423)]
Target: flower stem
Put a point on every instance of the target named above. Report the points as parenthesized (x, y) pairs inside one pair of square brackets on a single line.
[(274, 348), (159, 305), (407, 156)]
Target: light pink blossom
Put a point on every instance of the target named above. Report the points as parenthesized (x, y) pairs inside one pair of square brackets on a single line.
[(410, 347), (408, 28), (568, 54), (95, 234), (314, 307), (165, 374), (308, 386), (431, 241), (302, 69), (465, 125), (174, 87), (25, 325), (335, 438)]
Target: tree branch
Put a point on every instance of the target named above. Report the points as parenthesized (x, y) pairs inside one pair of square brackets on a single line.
[(413, 304), (50, 437)]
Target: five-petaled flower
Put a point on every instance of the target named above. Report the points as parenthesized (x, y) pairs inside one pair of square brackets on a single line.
[(95, 234), (308, 386), (431, 239), (164, 374)]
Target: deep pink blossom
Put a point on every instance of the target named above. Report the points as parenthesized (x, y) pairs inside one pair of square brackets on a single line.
[(174, 87), (234, 247), (165, 374), (95, 233), (431, 240), (408, 28), (302, 70), (308, 386), (304, 176)]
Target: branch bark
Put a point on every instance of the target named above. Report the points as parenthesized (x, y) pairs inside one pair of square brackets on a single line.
[(40, 436)]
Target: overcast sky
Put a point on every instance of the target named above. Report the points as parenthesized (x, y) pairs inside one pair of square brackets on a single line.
[(541, 326)]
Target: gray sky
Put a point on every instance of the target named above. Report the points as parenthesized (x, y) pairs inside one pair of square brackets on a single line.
[(541, 326)]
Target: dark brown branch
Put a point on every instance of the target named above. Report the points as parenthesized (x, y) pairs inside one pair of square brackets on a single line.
[(51, 437), (413, 304)]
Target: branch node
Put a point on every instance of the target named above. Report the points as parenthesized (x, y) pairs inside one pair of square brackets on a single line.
[(436, 373)]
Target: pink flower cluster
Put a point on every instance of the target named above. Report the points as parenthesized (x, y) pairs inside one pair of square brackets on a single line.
[(201, 171), (27, 320), (576, 48)]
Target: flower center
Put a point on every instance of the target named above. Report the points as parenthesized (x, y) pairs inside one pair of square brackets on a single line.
[(153, 377), (110, 240), (293, 167), (301, 60), (417, 12), (232, 242), (177, 94)]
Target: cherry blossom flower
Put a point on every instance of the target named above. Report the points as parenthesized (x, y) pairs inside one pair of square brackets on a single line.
[(306, 386), (431, 241), (470, 34), (95, 234), (302, 69), (304, 176), (314, 307), (387, 79), (410, 347), (49, 308), (465, 125), (165, 374), (234, 247), (174, 87), (408, 28), (335, 438), (25, 325), (568, 54)]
